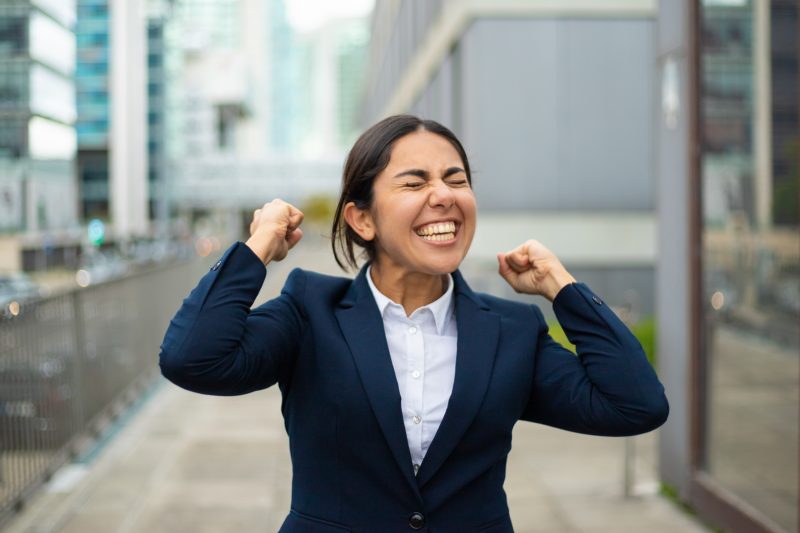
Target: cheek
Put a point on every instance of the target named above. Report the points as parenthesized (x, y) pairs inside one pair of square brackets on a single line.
[(393, 219), (468, 206)]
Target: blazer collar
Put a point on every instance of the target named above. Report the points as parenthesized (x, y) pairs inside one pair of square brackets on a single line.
[(359, 289), (478, 335), (441, 309)]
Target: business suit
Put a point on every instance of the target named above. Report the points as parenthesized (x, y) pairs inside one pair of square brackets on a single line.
[(322, 341)]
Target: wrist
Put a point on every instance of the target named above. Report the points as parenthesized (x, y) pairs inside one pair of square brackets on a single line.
[(555, 281), (262, 245)]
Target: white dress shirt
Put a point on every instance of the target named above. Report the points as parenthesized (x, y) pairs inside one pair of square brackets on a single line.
[(423, 351)]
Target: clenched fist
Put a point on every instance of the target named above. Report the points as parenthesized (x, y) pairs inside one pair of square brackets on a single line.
[(275, 230), (531, 268)]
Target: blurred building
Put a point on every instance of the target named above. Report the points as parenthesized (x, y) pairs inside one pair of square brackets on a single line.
[(729, 259), (37, 135), (262, 110), (94, 110), (111, 82), (159, 77), (554, 104)]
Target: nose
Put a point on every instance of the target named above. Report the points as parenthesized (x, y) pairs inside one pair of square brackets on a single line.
[(441, 195)]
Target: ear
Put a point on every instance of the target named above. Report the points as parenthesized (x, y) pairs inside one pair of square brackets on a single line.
[(360, 220)]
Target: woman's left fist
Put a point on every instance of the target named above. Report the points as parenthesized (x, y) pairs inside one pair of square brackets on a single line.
[(531, 268)]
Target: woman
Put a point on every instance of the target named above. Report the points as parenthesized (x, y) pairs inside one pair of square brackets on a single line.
[(401, 387)]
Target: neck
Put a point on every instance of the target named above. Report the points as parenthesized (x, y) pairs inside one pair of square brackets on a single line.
[(412, 290)]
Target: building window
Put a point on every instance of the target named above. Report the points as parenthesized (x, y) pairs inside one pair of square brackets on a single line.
[(227, 116), (13, 35), (750, 252)]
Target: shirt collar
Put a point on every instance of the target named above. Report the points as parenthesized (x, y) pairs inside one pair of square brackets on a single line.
[(441, 309)]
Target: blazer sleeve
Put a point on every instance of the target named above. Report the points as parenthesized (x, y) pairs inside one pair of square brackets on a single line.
[(609, 388), (215, 343)]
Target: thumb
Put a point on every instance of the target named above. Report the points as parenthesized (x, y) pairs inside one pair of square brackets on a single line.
[(504, 269), (295, 217), (294, 237)]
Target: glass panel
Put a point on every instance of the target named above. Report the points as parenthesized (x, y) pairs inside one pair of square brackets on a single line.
[(51, 140), (61, 10), (52, 95), (13, 35), (751, 251), (52, 44)]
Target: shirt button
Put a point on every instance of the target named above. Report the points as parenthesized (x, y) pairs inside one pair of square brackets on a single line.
[(415, 374), (412, 330), (416, 419)]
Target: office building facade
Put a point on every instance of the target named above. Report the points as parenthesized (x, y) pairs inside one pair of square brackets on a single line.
[(94, 108), (38, 217), (37, 112), (111, 99)]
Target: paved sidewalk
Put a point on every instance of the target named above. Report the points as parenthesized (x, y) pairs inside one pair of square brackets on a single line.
[(206, 464), (192, 463)]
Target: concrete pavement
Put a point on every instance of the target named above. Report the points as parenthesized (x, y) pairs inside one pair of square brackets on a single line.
[(207, 464)]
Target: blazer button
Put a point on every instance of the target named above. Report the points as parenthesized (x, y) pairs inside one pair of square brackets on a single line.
[(416, 521), (597, 300), (217, 265)]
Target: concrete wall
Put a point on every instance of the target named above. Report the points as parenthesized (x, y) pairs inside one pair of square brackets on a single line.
[(559, 111)]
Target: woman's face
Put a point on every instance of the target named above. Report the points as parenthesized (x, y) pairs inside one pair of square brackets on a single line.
[(423, 210)]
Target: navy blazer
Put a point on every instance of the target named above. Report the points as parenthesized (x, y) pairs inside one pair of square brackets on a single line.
[(322, 340)]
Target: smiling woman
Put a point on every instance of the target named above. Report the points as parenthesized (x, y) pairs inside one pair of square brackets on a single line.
[(401, 387)]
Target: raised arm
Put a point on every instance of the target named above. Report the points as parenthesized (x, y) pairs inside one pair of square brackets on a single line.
[(609, 388), (215, 344)]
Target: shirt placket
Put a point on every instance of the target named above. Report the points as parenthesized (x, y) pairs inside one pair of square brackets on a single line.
[(415, 350)]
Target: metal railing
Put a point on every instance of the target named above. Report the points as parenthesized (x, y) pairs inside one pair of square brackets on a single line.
[(70, 364)]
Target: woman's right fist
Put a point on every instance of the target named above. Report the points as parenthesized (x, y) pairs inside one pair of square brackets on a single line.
[(275, 230)]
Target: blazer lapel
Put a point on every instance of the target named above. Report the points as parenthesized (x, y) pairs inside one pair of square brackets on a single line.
[(362, 326), (478, 334)]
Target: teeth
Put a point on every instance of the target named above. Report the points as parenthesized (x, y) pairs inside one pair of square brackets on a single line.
[(439, 237), (442, 228)]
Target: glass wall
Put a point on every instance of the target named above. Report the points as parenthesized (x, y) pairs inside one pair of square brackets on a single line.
[(751, 252), (51, 44)]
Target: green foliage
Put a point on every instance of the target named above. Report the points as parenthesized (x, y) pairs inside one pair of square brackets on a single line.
[(557, 332), (644, 331), (670, 492), (318, 209)]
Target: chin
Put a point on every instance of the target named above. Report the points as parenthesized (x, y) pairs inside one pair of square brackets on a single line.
[(443, 266)]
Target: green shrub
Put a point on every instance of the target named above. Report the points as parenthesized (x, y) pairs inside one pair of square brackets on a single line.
[(318, 209), (644, 331)]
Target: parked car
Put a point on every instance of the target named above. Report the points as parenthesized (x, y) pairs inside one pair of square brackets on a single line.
[(102, 266), (16, 287)]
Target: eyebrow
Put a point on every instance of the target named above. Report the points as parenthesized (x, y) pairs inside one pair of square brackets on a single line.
[(424, 173)]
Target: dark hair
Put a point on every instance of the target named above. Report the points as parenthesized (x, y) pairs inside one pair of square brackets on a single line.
[(367, 158)]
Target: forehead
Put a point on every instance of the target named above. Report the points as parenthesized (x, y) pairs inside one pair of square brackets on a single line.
[(423, 149)]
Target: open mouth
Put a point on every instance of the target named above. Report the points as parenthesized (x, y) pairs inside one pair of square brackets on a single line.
[(438, 231)]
